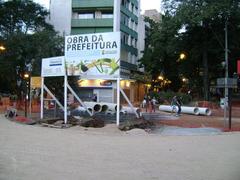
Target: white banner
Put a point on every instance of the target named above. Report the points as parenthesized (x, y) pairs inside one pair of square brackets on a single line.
[(93, 55), (54, 66)]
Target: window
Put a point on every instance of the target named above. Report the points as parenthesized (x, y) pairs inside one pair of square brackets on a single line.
[(107, 15), (132, 24), (132, 41), (124, 19), (132, 7), (135, 45), (129, 57), (135, 27), (85, 15), (125, 3), (133, 59), (124, 38), (135, 11)]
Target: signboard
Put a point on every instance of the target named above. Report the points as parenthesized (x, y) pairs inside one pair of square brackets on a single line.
[(36, 82), (231, 82), (54, 66), (93, 55)]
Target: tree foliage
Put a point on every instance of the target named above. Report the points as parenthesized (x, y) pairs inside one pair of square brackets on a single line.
[(203, 40), (21, 16), (27, 39)]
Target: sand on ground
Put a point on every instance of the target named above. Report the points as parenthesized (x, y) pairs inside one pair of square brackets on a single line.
[(40, 153)]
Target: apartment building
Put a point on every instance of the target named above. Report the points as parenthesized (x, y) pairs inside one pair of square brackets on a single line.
[(153, 14), (71, 17)]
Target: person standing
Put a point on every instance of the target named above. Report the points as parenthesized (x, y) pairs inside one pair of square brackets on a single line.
[(149, 104), (153, 103), (94, 98), (176, 101)]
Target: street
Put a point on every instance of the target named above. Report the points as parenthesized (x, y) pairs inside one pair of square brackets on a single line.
[(34, 152)]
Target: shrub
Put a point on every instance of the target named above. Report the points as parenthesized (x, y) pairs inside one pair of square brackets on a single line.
[(166, 97), (13, 97)]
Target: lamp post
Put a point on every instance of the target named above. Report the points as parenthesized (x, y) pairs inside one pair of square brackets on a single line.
[(226, 74), (27, 84)]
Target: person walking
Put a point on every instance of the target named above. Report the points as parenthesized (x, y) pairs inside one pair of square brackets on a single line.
[(176, 101)]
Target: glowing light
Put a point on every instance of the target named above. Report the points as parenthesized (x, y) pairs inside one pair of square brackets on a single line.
[(2, 48), (83, 83), (128, 84), (160, 77), (184, 80), (182, 56), (122, 84), (26, 75)]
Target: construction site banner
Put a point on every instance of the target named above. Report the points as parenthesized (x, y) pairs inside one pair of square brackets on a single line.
[(93, 55), (54, 66)]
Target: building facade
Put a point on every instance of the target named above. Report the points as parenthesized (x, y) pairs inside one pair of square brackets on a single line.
[(153, 14), (71, 17)]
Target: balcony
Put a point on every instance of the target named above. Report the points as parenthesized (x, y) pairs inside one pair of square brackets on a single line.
[(127, 30), (92, 3), (130, 49), (108, 22), (129, 66), (135, 2), (129, 13)]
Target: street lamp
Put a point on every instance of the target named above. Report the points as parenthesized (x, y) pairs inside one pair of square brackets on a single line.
[(26, 76), (182, 56), (2, 48), (160, 77), (184, 80)]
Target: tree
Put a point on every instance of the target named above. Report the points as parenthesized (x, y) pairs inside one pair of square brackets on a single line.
[(21, 16), (27, 38), (160, 51), (202, 40), (205, 22)]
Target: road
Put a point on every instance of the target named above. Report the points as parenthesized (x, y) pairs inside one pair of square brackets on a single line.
[(41, 153)]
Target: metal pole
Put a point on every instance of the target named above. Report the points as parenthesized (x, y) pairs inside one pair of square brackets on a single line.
[(128, 101), (65, 99), (30, 103), (42, 89), (79, 100), (230, 110), (118, 101), (26, 96), (26, 103), (54, 98), (226, 74), (30, 96)]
